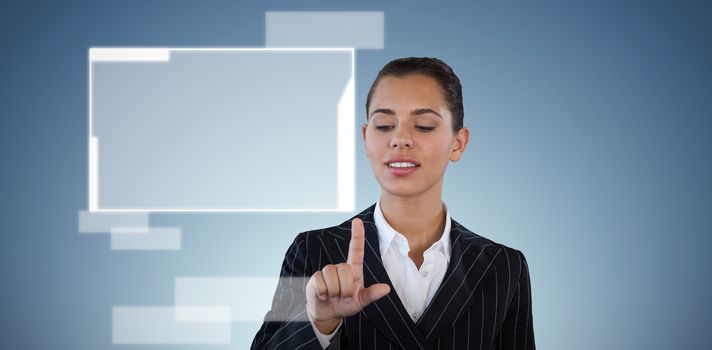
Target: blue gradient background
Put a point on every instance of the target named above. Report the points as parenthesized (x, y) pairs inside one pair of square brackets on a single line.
[(591, 136)]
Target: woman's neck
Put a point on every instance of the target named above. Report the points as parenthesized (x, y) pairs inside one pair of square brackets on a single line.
[(421, 219)]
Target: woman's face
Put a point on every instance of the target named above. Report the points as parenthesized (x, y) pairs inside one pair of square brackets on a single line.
[(408, 137)]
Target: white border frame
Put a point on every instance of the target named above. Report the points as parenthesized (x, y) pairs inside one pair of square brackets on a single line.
[(346, 165)]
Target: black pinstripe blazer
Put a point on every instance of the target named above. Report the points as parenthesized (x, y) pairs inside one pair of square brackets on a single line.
[(483, 302)]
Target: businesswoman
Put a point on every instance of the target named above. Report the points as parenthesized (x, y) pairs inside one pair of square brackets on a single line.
[(402, 274)]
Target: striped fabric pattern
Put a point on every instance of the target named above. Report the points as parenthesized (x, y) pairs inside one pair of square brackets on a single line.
[(484, 301)]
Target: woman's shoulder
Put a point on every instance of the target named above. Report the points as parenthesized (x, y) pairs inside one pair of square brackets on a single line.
[(484, 242)]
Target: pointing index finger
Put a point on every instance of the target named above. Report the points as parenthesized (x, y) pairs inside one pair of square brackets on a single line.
[(356, 245)]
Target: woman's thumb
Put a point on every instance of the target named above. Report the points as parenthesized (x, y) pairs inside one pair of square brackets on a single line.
[(373, 293)]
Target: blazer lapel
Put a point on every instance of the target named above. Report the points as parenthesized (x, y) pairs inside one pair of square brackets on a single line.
[(470, 262), (387, 314)]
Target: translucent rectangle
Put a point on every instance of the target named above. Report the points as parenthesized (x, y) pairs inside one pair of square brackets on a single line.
[(203, 313), (158, 325), (120, 230), (137, 54), (154, 238), (249, 298), (224, 129), (96, 222), (361, 30)]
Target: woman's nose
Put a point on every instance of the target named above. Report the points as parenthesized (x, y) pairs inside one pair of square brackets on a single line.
[(401, 139)]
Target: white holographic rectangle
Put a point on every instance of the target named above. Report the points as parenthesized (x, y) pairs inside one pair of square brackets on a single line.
[(158, 325), (129, 55), (203, 313), (120, 230), (94, 222), (93, 172), (221, 130), (360, 30), (347, 170), (249, 298), (152, 238)]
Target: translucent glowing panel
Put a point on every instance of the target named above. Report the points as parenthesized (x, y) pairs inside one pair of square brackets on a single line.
[(163, 325), (221, 129), (361, 30)]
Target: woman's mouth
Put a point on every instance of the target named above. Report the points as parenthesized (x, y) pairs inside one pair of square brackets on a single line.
[(402, 168)]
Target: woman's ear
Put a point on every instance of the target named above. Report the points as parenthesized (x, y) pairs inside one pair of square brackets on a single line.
[(363, 132), (459, 144)]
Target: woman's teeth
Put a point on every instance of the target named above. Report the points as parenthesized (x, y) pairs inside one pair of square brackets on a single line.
[(402, 165)]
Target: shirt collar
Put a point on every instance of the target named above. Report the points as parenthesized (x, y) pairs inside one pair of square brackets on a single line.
[(386, 233)]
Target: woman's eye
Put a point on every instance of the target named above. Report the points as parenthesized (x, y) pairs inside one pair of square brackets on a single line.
[(384, 127), (425, 128)]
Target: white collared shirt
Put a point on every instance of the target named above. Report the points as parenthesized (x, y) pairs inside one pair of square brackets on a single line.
[(415, 287)]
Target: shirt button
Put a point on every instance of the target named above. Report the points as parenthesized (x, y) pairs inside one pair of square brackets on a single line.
[(425, 275)]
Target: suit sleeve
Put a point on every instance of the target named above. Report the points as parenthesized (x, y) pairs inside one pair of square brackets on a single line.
[(518, 329), (286, 325)]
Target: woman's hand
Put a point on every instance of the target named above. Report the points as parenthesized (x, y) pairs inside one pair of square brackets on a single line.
[(337, 291)]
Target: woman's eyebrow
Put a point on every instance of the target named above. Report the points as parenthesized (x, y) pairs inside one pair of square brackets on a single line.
[(384, 111), (419, 111)]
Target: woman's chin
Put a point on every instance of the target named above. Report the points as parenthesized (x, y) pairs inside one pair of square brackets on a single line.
[(401, 190)]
